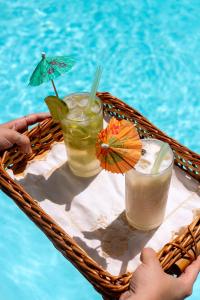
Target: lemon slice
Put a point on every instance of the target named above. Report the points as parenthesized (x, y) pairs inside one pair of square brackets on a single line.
[(57, 107)]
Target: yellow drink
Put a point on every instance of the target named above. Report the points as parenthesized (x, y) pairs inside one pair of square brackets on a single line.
[(80, 129)]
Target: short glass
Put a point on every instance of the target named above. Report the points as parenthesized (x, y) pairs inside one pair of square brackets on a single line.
[(146, 194), (80, 129)]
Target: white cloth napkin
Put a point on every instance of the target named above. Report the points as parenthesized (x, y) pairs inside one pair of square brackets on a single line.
[(92, 210)]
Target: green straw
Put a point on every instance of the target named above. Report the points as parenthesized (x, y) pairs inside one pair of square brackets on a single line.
[(95, 85), (163, 151)]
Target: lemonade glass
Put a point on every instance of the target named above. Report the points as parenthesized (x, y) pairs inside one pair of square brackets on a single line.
[(80, 128)]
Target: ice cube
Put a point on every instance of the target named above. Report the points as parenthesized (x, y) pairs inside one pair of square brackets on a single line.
[(74, 115), (83, 118), (144, 163), (83, 102), (95, 108), (71, 102), (79, 116)]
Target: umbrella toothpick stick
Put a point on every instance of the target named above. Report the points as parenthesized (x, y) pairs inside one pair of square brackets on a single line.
[(54, 88)]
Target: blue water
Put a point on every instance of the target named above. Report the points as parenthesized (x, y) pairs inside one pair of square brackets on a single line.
[(150, 53)]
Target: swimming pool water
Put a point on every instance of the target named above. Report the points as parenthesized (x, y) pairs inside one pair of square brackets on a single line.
[(150, 53)]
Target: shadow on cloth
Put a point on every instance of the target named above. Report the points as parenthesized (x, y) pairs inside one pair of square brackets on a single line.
[(118, 241), (190, 184), (92, 252), (188, 181), (60, 187)]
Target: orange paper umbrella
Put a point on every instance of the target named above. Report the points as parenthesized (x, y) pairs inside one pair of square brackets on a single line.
[(118, 146)]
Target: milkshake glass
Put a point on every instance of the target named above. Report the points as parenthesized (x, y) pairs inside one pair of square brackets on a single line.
[(145, 193)]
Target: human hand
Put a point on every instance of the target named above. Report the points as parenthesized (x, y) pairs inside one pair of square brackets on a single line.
[(150, 282), (10, 132)]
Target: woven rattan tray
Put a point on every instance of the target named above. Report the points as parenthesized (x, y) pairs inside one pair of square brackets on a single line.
[(176, 254)]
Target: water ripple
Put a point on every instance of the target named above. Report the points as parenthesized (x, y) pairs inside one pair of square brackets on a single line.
[(150, 56)]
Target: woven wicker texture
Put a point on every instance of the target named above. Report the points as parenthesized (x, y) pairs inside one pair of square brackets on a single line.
[(179, 252)]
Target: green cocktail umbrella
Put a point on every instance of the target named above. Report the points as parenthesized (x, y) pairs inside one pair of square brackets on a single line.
[(50, 68)]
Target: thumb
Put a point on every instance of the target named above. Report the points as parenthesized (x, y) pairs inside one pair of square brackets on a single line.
[(148, 257), (10, 137), (190, 274)]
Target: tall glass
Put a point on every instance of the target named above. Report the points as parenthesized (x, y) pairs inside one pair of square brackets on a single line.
[(146, 193), (80, 129)]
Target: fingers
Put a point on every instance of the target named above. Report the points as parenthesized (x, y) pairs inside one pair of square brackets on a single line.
[(23, 142), (148, 257), (22, 124), (34, 118), (9, 137)]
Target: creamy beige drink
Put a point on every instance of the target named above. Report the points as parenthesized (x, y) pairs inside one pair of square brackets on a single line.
[(80, 129), (146, 193)]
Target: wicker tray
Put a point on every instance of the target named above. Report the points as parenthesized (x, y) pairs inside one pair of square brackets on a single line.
[(176, 254)]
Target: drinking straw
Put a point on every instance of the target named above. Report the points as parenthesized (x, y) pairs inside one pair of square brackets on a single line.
[(163, 151), (95, 85)]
